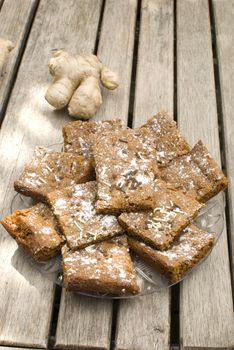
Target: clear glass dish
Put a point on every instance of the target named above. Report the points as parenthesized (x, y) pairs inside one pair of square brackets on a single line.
[(210, 218)]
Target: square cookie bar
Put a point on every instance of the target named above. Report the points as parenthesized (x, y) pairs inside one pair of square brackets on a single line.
[(168, 141), (77, 134), (35, 230), (187, 250), (49, 170), (126, 167), (101, 268), (172, 213), (74, 208), (196, 174)]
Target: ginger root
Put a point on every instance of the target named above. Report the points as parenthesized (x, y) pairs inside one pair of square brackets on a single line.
[(5, 47), (77, 83)]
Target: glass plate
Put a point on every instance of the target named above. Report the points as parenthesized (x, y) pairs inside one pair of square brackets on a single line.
[(210, 218)]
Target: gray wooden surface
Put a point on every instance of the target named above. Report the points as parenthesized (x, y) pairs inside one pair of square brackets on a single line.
[(23, 322), (83, 322), (117, 27), (224, 29), (116, 51), (154, 55), (155, 77), (27, 299), (13, 348), (15, 23), (206, 309)]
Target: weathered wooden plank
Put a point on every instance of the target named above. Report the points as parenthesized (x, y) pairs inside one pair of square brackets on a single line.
[(206, 309), (84, 322), (27, 297), (15, 22), (224, 28), (11, 348), (155, 62), (144, 323), (115, 50)]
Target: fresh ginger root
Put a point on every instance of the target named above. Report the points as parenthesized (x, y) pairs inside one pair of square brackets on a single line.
[(5, 47), (77, 83)]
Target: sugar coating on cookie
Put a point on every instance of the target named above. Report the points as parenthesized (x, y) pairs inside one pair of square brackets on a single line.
[(74, 208), (50, 170), (173, 211), (187, 250), (126, 167), (35, 230), (196, 174), (102, 268)]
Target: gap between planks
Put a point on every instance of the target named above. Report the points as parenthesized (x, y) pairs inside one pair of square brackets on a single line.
[(13, 348), (1, 3), (117, 27), (143, 323), (175, 290), (24, 323), (224, 117), (23, 16), (58, 291), (95, 50), (134, 66), (203, 324)]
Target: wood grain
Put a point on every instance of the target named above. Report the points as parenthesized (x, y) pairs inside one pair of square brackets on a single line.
[(144, 322), (206, 308), (116, 51), (85, 322), (27, 297), (88, 326), (15, 22), (11, 348), (155, 61), (223, 13)]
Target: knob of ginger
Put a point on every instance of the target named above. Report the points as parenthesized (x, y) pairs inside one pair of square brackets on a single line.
[(77, 83), (5, 47)]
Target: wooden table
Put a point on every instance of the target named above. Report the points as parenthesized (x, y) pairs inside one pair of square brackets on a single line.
[(174, 56)]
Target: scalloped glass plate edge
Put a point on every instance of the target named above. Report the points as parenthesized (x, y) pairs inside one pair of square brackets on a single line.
[(210, 218)]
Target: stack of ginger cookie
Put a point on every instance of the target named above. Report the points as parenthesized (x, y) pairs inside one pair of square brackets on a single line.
[(114, 191)]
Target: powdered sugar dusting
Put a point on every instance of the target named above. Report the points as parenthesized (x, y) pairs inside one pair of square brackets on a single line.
[(49, 170), (173, 211), (35, 228), (78, 134), (168, 141), (185, 248), (108, 261), (125, 167), (78, 218)]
